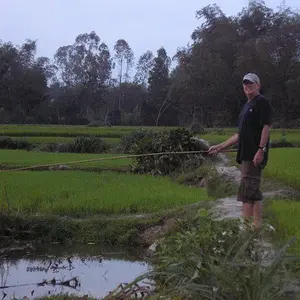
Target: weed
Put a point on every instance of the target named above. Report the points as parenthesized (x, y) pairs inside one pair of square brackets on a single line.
[(213, 260)]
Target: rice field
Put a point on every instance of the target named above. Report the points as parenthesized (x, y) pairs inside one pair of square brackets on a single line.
[(58, 139), (68, 131), (215, 137), (48, 133), (23, 158), (287, 221), (284, 166), (79, 193)]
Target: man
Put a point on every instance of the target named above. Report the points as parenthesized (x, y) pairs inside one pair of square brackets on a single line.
[(253, 147)]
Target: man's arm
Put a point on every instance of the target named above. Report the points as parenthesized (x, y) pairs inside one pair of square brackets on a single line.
[(230, 142), (265, 136)]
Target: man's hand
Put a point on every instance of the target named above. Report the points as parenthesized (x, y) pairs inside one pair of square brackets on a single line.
[(214, 149), (258, 158)]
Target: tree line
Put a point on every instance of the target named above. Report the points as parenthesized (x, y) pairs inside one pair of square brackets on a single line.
[(88, 83)]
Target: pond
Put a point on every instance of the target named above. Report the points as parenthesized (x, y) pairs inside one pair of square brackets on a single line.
[(82, 270)]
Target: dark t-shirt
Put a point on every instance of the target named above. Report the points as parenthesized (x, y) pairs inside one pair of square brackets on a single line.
[(254, 115)]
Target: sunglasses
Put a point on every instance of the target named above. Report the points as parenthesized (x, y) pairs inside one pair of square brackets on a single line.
[(247, 82)]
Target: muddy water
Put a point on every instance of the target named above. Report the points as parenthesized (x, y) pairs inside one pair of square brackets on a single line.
[(83, 271)]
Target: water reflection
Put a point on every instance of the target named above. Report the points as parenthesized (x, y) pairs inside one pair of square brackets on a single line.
[(82, 271)]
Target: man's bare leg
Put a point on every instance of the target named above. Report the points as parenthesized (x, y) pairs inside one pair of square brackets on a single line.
[(257, 214), (247, 213)]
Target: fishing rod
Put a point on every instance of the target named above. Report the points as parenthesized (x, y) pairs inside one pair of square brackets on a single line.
[(112, 158)]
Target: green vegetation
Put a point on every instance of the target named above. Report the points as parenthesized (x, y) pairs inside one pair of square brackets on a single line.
[(41, 229), (112, 135), (285, 217), (58, 140), (21, 158), (68, 131), (215, 136), (78, 193), (284, 165), (210, 260)]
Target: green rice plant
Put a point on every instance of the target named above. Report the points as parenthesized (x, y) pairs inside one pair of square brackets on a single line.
[(285, 217), (21, 158), (291, 136), (69, 131), (79, 193), (59, 140), (284, 166)]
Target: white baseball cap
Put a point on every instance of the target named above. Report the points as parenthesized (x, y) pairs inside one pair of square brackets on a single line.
[(252, 78)]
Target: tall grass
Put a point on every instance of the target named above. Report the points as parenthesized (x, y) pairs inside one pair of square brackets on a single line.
[(21, 158), (76, 193), (212, 260)]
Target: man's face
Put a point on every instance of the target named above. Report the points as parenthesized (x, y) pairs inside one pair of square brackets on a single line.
[(251, 88)]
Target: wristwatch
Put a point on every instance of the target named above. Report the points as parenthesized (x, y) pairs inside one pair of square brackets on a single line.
[(262, 148)]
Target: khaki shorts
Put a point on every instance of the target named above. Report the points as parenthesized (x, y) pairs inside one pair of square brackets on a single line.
[(249, 189)]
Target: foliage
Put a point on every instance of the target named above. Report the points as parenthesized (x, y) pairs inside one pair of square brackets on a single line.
[(130, 142), (8, 143), (177, 140), (80, 87), (213, 260), (47, 229), (88, 145), (78, 193)]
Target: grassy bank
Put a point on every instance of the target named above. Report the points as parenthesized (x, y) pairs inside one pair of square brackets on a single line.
[(38, 230), (78, 193), (22, 158)]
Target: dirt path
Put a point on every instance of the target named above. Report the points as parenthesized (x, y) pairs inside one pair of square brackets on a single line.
[(229, 207)]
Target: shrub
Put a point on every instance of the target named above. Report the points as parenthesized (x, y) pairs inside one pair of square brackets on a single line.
[(131, 142), (8, 143), (197, 128), (177, 140), (91, 144)]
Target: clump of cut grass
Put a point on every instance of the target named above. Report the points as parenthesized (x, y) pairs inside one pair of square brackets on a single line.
[(78, 193)]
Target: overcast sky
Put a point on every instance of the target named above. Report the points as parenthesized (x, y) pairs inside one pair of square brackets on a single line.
[(146, 25)]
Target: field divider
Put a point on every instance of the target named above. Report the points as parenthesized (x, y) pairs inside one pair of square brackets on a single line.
[(111, 158)]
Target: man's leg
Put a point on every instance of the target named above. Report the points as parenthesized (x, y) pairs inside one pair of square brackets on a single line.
[(247, 210), (249, 193), (257, 214)]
